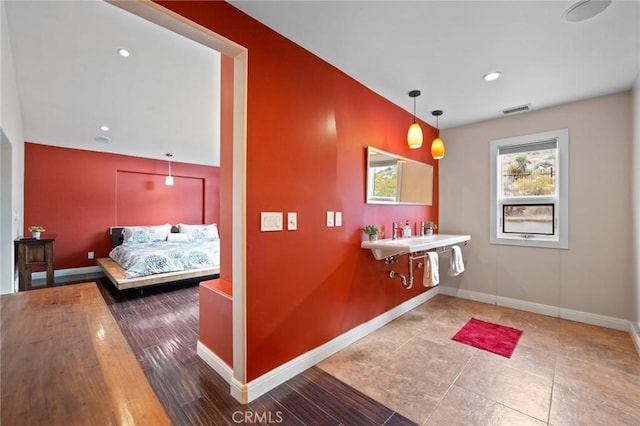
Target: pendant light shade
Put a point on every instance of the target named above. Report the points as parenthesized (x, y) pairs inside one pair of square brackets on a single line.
[(414, 135), (437, 146), (168, 180)]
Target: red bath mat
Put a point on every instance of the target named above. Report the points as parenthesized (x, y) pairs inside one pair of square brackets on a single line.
[(490, 337)]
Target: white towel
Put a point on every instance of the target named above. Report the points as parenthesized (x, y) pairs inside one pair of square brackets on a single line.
[(431, 275), (456, 264)]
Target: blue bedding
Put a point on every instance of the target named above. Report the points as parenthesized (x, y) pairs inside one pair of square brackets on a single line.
[(157, 257)]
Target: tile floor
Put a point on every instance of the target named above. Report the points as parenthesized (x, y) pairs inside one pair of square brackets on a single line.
[(561, 373)]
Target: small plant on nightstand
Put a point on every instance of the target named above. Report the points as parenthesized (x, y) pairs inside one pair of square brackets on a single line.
[(372, 231), (36, 230)]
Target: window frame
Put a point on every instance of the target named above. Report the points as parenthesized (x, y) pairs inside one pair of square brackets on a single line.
[(560, 199)]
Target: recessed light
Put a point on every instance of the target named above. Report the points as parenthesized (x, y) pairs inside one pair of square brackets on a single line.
[(494, 75), (102, 139), (124, 53), (104, 128), (585, 9)]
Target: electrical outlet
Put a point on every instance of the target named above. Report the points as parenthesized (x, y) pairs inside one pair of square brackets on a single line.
[(90, 255)]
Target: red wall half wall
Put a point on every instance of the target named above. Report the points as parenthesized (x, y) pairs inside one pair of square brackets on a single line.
[(77, 195)]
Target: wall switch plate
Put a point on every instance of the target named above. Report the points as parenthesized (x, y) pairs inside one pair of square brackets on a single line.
[(292, 221), (329, 219), (271, 221), (338, 219)]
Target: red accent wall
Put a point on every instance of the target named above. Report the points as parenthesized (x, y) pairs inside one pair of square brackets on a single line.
[(308, 127), (77, 195)]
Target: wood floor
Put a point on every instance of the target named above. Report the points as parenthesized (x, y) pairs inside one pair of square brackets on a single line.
[(161, 326), (65, 361)]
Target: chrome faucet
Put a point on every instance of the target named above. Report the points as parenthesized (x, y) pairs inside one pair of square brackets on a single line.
[(396, 230)]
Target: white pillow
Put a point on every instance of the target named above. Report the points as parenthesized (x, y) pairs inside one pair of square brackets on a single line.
[(145, 234), (200, 232), (175, 237)]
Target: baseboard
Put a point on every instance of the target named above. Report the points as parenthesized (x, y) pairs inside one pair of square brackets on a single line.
[(523, 305), (468, 294), (248, 392), (67, 272), (635, 335), (215, 362), (539, 308)]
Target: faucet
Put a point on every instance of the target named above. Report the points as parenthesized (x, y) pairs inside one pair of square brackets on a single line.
[(396, 230)]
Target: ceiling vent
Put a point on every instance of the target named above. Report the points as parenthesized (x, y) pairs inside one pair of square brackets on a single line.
[(513, 110)]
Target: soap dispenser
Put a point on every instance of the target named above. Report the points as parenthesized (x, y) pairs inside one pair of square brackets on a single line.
[(406, 231)]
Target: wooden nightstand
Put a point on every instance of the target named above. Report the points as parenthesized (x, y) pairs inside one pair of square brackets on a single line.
[(30, 253)]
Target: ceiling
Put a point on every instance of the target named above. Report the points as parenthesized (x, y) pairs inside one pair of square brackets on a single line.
[(165, 96), (443, 48)]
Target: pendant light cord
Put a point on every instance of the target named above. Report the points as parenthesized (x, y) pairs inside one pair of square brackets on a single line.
[(414, 109)]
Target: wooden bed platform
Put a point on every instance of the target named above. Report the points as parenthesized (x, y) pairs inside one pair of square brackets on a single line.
[(116, 274)]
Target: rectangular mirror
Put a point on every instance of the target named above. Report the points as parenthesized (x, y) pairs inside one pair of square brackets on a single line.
[(393, 179)]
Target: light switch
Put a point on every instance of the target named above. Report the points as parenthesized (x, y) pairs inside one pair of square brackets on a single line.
[(271, 221), (292, 221), (338, 218), (329, 219)]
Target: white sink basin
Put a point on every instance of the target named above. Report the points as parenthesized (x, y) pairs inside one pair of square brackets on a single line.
[(382, 249)]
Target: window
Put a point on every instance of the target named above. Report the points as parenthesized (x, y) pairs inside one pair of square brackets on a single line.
[(529, 190)]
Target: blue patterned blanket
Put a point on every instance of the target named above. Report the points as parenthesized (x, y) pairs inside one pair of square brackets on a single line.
[(157, 257)]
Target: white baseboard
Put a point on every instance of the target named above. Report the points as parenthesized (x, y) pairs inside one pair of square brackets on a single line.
[(67, 272), (214, 361), (539, 308), (248, 392), (467, 294)]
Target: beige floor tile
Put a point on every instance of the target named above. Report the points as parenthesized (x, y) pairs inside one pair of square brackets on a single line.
[(594, 391), (463, 408), (517, 389), (576, 406), (562, 371), (537, 361), (601, 345)]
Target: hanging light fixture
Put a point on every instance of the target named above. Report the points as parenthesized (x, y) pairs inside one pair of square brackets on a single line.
[(168, 180), (414, 136), (437, 146)]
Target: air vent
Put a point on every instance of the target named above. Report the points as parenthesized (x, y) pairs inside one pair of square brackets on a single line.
[(513, 110)]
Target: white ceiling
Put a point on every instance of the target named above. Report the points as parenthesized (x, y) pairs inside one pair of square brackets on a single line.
[(443, 48), (165, 97)]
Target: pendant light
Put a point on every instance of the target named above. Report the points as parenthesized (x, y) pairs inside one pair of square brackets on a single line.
[(437, 146), (168, 180), (414, 136)]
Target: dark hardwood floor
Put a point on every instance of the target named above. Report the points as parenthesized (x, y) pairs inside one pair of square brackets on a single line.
[(161, 326)]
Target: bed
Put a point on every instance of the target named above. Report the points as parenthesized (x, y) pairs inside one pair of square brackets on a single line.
[(149, 255)]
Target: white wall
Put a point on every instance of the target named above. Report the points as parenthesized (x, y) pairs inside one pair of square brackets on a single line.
[(595, 275), (11, 160)]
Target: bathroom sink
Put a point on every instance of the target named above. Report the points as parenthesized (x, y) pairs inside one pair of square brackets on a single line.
[(382, 249)]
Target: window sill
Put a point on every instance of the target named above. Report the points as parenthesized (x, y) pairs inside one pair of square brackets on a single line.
[(530, 242)]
